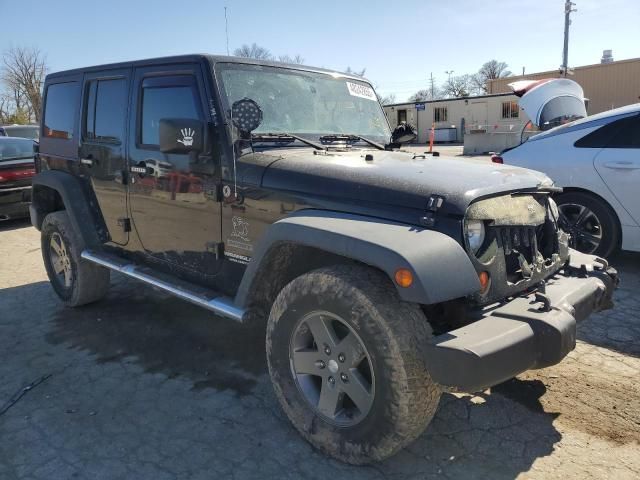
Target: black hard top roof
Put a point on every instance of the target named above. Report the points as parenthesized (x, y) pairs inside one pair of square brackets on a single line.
[(199, 57)]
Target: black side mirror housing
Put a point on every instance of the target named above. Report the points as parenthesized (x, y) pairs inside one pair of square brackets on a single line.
[(181, 135), (404, 133)]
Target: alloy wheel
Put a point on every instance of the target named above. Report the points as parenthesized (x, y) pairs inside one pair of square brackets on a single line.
[(332, 368), (60, 260), (583, 225)]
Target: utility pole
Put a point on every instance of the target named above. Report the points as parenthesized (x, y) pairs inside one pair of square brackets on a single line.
[(226, 28), (568, 8), (432, 85)]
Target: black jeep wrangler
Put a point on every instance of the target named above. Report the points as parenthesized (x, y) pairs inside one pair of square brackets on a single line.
[(262, 190)]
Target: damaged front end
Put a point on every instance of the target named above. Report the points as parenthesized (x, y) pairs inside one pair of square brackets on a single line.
[(522, 245)]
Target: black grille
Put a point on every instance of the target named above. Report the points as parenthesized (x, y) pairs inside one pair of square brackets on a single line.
[(527, 248)]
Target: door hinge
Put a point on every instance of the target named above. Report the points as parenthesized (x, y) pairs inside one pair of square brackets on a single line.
[(216, 248), (125, 223)]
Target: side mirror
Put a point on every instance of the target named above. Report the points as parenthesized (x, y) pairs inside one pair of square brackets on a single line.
[(403, 133), (181, 135)]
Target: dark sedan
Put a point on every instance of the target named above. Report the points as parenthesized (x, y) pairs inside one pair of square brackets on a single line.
[(17, 167)]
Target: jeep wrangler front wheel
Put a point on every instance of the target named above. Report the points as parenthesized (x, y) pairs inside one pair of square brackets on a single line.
[(346, 360), (76, 281)]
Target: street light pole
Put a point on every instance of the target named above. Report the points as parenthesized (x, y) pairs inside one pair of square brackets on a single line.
[(568, 4), (449, 72)]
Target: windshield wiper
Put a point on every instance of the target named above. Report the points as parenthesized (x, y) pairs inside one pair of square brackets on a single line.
[(285, 137), (350, 136)]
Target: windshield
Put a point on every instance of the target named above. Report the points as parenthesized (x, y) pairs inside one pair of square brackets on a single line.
[(305, 103), (11, 149), (561, 111), (24, 132)]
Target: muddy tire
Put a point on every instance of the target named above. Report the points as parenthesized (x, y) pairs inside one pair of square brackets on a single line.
[(591, 222), (76, 281), (342, 332)]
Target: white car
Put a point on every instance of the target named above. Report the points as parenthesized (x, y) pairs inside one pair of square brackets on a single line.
[(596, 160)]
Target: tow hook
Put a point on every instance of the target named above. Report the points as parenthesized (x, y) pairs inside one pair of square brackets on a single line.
[(541, 296)]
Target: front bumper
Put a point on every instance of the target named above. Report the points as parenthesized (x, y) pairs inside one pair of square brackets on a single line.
[(534, 330)]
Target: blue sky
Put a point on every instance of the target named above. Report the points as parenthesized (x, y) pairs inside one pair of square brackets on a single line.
[(398, 42)]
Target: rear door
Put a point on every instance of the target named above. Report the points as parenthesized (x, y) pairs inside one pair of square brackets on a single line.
[(103, 145), (618, 163), (172, 197)]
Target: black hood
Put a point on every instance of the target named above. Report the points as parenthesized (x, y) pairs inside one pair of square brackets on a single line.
[(391, 178)]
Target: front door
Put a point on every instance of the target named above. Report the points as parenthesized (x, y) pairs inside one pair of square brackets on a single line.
[(102, 146), (173, 204)]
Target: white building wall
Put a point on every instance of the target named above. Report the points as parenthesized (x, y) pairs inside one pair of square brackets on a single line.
[(478, 121)]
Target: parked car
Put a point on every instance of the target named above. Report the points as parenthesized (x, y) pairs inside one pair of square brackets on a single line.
[(16, 171), (22, 131), (384, 278), (596, 160)]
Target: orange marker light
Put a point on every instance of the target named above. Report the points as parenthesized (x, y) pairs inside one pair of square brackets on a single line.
[(484, 281), (404, 277)]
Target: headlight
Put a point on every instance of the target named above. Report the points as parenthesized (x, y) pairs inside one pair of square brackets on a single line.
[(475, 234)]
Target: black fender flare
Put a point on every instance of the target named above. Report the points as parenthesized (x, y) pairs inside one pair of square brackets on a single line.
[(76, 203), (440, 266)]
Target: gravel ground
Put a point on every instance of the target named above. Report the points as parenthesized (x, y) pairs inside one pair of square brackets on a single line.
[(143, 386)]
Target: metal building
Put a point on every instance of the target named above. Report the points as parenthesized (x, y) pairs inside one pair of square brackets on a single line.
[(607, 85)]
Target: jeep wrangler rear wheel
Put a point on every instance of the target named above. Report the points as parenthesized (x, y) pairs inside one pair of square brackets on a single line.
[(346, 361), (76, 281)]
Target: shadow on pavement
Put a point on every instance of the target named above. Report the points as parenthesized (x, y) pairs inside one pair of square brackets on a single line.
[(7, 225), (619, 328), (165, 335), (496, 435)]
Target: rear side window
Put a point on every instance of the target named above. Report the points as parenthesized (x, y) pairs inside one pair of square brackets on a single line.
[(59, 110), (180, 101), (623, 133), (106, 109)]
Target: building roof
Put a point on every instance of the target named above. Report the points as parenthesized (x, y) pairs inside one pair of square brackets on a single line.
[(474, 97)]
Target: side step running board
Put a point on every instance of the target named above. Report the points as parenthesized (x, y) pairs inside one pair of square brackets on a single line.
[(220, 305)]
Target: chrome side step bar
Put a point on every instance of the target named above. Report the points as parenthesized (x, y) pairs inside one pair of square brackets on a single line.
[(220, 305)]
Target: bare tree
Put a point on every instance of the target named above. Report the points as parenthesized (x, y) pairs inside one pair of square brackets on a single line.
[(386, 99), (490, 70), (253, 51), (357, 73), (23, 75), (287, 59), (458, 86), (425, 95)]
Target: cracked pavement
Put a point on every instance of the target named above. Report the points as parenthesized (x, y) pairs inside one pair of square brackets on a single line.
[(146, 386)]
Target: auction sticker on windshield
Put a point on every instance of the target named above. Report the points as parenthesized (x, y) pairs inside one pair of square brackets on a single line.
[(362, 91)]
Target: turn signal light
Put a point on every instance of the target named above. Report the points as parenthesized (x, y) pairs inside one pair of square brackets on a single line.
[(496, 159), (484, 281), (404, 277)]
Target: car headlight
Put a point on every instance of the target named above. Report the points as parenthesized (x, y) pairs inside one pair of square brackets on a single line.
[(475, 234)]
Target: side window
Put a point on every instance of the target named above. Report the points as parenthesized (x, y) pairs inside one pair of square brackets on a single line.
[(170, 101), (59, 110), (628, 136), (106, 109), (616, 134)]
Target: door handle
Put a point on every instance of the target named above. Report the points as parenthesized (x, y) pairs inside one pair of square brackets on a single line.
[(88, 161), (623, 165)]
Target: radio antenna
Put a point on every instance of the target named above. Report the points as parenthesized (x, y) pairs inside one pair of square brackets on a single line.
[(226, 28)]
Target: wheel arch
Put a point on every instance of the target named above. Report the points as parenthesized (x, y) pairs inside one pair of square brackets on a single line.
[(54, 190), (312, 239), (604, 201)]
